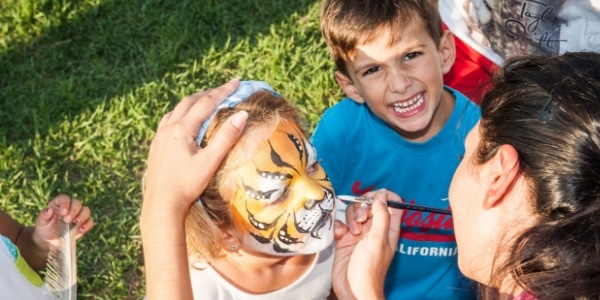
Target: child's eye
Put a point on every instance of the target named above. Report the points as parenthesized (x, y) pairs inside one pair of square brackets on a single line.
[(460, 157), (266, 196), (412, 55), (312, 168), (371, 70)]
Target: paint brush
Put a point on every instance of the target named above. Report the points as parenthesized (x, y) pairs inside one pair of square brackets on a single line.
[(396, 204)]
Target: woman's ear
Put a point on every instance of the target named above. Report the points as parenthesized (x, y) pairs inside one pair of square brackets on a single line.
[(348, 87), (501, 176)]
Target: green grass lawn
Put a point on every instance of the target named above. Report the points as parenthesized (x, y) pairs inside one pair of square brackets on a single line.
[(83, 84)]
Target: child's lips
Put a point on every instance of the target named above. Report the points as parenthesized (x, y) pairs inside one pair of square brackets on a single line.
[(409, 107)]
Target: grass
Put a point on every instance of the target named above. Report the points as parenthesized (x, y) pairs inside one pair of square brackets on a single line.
[(84, 83)]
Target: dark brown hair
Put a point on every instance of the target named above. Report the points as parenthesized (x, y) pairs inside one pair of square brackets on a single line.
[(559, 155)]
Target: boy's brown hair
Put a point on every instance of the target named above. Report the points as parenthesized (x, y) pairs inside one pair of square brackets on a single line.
[(346, 24)]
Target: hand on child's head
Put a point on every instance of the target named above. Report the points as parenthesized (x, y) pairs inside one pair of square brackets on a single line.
[(177, 169)]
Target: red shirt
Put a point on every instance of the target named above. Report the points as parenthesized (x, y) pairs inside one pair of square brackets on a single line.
[(470, 72)]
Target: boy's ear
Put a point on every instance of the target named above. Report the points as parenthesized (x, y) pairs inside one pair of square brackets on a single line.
[(348, 87), (502, 175), (447, 50)]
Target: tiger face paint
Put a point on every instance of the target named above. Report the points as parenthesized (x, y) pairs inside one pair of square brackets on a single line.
[(284, 199)]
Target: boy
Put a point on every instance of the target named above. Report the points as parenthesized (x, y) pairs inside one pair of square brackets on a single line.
[(400, 129)]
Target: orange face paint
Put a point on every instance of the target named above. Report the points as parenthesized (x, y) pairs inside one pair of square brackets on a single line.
[(284, 199)]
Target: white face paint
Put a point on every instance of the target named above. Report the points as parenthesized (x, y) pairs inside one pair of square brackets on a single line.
[(285, 201)]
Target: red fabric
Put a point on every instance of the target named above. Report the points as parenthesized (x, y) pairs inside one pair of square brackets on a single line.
[(525, 296), (470, 72)]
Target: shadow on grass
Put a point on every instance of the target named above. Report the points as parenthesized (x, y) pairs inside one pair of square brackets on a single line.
[(111, 48), (97, 52)]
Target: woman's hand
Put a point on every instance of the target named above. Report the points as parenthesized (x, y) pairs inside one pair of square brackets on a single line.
[(362, 260), (178, 172)]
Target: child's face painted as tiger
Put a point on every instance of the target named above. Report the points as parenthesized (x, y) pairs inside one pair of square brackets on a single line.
[(283, 203)]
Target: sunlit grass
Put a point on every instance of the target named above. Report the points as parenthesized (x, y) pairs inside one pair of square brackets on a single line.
[(83, 84)]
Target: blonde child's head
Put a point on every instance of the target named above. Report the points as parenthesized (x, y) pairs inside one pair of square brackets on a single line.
[(269, 195)]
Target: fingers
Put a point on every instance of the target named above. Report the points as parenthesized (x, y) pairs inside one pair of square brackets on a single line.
[(72, 211), (177, 169), (66, 208), (392, 196), (226, 137), (339, 230), (164, 120), (195, 108), (81, 216), (362, 212), (84, 227), (392, 216), (394, 227), (61, 205), (45, 216), (200, 110), (354, 226), (185, 104), (395, 219), (381, 216)]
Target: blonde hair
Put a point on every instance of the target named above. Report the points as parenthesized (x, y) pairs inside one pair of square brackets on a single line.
[(205, 219)]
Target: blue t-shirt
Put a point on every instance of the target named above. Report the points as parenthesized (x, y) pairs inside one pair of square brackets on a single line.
[(360, 153)]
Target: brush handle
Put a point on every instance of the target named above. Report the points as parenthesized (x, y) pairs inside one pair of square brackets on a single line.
[(395, 204), (402, 205)]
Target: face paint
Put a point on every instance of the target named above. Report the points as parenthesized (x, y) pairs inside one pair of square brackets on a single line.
[(284, 199)]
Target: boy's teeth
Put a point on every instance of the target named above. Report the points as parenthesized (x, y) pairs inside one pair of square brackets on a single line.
[(409, 105)]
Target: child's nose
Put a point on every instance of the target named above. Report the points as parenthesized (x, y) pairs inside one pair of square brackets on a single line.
[(399, 82), (309, 190)]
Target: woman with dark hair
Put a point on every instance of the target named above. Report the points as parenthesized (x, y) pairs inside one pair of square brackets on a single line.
[(526, 197)]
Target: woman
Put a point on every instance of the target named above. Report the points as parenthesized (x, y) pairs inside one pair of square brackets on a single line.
[(526, 196)]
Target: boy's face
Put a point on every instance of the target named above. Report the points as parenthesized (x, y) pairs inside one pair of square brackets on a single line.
[(284, 201), (402, 83)]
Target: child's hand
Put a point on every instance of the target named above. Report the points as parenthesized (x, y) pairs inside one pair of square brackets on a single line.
[(45, 233)]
